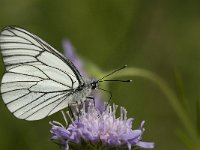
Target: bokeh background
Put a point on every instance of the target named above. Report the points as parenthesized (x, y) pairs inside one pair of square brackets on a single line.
[(162, 36)]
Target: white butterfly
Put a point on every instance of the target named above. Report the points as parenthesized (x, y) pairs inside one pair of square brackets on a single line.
[(39, 80)]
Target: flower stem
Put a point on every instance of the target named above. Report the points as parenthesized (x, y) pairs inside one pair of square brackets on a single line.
[(164, 87)]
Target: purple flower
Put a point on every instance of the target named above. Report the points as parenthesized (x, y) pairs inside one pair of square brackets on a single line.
[(89, 125)]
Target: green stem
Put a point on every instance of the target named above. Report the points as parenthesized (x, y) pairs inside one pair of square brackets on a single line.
[(164, 87)]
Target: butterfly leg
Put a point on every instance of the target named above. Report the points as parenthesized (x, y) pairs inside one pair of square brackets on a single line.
[(78, 109), (72, 108), (91, 98)]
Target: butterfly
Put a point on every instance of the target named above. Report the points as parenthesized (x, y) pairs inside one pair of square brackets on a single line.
[(38, 81)]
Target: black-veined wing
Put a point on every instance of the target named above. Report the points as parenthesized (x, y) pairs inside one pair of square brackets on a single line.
[(38, 81)]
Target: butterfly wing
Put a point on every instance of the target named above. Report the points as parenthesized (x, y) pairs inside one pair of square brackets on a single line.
[(38, 81)]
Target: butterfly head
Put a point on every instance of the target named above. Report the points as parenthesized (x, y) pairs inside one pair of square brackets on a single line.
[(90, 84)]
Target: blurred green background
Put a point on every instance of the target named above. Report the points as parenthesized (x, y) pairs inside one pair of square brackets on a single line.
[(162, 36)]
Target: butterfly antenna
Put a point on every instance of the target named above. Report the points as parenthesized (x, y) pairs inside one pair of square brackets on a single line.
[(118, 80), (116, 70)]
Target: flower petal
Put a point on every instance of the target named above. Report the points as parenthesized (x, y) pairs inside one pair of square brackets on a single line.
[(145, 144)]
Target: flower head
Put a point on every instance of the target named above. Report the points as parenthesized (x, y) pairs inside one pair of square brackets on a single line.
[(104, 129)]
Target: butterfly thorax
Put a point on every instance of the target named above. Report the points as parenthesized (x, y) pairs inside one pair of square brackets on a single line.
[(84, 90)]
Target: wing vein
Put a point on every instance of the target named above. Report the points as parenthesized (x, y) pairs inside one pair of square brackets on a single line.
[(18, 98), (43, 106)]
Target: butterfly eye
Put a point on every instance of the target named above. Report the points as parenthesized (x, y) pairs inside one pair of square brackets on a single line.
[(83, 85), (94, 85)]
